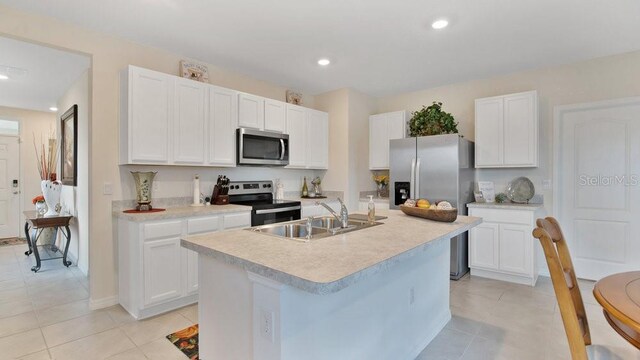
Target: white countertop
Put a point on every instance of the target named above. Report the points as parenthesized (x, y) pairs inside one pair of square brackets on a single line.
[(506, 205), (326, 265), (177, 212)]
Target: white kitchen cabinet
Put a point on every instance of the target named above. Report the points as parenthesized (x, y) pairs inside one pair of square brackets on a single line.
[(503, 247), (317, 139), (156, 274), (189, 122), (275, 115), (308, 131), (251, 111), (382, 128), (146, 116), (222, 124), (507, 131)]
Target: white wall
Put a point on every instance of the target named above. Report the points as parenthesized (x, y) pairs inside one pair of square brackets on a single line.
[(31, 122), (76, 199), (598, 79)]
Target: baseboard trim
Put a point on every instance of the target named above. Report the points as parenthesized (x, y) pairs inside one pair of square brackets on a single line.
[(95, 304)]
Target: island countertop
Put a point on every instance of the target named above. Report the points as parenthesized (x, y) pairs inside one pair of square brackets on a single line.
[(329, 264)]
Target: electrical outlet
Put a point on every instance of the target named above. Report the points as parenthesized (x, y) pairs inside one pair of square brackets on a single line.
[(412, 296), (546, 184), (266, 325), (107, 188), (155, 187)]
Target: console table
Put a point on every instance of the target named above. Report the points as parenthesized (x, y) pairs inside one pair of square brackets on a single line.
[(39, 223)]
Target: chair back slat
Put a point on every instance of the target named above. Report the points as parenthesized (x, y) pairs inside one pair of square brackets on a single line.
[(565, 285)]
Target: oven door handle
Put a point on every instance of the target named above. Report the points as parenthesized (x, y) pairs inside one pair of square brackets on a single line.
[(277, 210), (282, 146)]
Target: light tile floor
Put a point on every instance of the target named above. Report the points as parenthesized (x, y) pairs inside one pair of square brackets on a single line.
[(47, 316)]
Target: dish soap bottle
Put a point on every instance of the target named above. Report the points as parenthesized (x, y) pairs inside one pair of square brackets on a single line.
[(305, 189), (371, 215)]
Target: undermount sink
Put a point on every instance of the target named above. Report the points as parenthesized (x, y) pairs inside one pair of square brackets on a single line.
[(320, 227)]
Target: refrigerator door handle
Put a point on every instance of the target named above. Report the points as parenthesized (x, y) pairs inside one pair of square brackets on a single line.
[(417, 185), (412, 184)]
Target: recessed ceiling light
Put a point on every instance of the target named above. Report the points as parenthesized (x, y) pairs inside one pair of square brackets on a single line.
[(53, 108), (4, 77), (324, 62), (440, 24)]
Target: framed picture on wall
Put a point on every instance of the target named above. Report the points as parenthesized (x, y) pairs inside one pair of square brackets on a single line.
[(69, 147)]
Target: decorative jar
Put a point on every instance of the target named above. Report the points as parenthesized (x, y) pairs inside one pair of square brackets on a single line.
[(144, 185)]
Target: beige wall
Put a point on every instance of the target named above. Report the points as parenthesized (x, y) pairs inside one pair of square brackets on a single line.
[(360, 107), (109, 56), (599, 79), (32, 123), (75, 200)]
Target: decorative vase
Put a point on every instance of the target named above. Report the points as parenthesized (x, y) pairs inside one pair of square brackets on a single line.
[(41, 208), (382, 190), (51, 192), (144, 185)]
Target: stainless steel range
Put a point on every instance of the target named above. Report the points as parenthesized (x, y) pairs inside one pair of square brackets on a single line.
[(265, 210)]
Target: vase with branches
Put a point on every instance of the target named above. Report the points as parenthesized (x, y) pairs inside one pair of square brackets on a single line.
[(47, 162)]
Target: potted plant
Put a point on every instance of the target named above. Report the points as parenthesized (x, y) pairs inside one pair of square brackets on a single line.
[(432, 120)]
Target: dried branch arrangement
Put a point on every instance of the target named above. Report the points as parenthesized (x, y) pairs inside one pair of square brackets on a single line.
[(47, 155)]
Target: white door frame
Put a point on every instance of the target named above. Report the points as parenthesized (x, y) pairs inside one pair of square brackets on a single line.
[(20, 177), (557, 113)]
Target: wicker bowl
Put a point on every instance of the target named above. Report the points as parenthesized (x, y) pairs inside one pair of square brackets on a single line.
[(431, 214)]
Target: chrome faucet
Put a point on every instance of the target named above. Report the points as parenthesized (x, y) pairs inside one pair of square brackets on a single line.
[(344, 213)]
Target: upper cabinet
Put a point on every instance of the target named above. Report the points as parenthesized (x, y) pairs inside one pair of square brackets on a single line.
[(507, 131), (251, 111), (275, 115), (308, 131), (146, 113), (169, 120), (382, 128)]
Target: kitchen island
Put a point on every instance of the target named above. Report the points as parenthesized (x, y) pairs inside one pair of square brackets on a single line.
[(376, 293)]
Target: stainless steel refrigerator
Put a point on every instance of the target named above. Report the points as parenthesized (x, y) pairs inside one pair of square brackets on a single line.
[(435, 168)]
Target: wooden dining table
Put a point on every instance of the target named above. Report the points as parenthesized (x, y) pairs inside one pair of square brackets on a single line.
[(619, 296)]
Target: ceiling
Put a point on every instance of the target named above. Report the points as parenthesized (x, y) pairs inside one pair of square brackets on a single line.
[(39, 75), (379, 47)]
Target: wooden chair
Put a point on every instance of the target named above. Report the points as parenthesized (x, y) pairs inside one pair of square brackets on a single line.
[(565, 286)]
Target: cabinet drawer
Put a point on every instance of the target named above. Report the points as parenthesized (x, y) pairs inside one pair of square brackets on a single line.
[(237, 220), (162, 230), (203, 225), (523, 217)]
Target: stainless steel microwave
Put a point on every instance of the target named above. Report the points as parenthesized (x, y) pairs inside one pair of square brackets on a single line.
[(255, 147)]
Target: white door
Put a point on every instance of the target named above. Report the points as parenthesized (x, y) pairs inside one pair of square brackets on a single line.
[(598, 185), (189, 122), (521, 129), (484, 246), (274, 115), (162, 272), (317, 139), (515, 248), (378, 142), (489, 132), (297, 130), (9, 195), (223, 121), (251, 111)]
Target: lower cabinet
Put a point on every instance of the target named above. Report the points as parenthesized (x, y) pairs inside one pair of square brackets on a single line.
[(503, 247), (155, 273)]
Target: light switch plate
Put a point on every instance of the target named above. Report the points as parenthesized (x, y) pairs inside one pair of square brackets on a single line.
[(107, 188), (546, 184)]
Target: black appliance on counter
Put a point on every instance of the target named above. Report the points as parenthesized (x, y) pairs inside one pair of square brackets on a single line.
[(265, 210)]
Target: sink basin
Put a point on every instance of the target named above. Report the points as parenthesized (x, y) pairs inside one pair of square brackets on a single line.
[(320, 227)]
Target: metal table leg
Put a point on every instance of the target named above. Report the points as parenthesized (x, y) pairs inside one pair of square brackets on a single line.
[(26, 233), (66, 247), (35, 250)]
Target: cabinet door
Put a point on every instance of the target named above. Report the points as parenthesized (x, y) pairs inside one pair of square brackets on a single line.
[(516, 249), (483, 246), (251, 111), (489, 132), (150, 105), (223, 121), (161, 270), (396, 125), (274, 115), (378, 142), (189, 122), (297, 130), (317, 139), (521, 129)]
